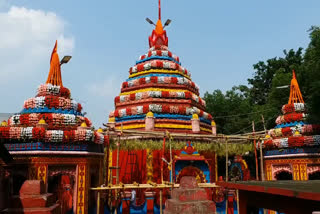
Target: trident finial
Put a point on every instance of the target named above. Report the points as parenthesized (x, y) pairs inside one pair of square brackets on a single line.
[(159, 9)]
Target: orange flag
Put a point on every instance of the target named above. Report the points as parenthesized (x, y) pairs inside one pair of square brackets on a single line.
[(54, 76)]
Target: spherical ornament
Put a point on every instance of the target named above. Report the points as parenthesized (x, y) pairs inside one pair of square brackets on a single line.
[(149, 114), (195, 116), (213, 123)]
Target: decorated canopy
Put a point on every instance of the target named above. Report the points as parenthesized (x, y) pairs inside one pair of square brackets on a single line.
[(159, 87), (292, 130), (52, 116)]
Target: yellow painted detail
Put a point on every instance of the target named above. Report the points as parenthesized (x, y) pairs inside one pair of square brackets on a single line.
[(195, 116), (159, 71), (149, 114)]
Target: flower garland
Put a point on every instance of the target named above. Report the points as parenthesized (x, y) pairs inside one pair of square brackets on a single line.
[(158, 93), (53, 120), (53, 136), (164, 53), (51, 101), (289, 131), (161, 108), (294, 141), (48, 89), (159, 80), (152, 71), (295, 107), (291, 117)]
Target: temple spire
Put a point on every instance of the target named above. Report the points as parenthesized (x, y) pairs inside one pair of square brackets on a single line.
[(295, 94), (54, 76)]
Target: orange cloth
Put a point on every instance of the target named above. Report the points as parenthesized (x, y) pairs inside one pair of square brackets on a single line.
[(54, 76), (295, 94)]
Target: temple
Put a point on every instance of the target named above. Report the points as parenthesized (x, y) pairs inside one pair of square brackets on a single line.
[(292, 148), (157, 100), (52, 141)]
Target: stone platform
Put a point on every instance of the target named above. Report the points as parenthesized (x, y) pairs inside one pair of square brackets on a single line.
[(189, 199)]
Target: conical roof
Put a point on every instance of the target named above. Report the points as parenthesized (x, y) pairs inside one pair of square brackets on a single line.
[(292, 130), (52, 116), (159, 86)]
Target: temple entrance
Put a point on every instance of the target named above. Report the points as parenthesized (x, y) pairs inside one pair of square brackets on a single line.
[(283, 175), (62, 186), (192, 171)]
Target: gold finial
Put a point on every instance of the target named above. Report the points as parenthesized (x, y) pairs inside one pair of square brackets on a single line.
[(149, 114), (111, 120), (195, 116), (213, 123), (84, 125), (42, 122), (100, 130), (4, 123)]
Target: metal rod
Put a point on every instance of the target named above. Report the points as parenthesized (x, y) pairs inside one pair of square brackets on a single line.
[(261, 162), (98, 202), (159, 9)]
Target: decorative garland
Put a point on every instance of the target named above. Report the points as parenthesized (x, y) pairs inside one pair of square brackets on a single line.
[(295, 107), (289, 131), (295, 141), (159, 80), (51, 101), (48, 89), (158, 71), (152, 145), (164, 53), (41, 134), (157, 93), (158, 64), (160, 108), (53, 120), (291, 117)]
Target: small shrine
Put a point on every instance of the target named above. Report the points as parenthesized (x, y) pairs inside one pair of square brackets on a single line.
[(51, 140), (292, 148)]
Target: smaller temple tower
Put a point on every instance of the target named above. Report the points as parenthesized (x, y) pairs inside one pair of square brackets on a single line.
[(51, 140), (292, 149)]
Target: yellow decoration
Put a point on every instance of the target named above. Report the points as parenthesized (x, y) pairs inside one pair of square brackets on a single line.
[(206, 130), (149, 114), (112, 120), (131, 126), (42, 121), (84, 125), (100, 130), (195, 116), (173, 126), (159, 71), (213, 123), (152, 89), (267, 136), (4, 123), (159, 28)]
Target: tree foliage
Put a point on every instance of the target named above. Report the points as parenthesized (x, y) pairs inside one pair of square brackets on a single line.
[(235, 109)]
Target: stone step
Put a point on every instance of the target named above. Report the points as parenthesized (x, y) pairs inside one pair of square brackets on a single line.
[(29, 201), (54, 209)]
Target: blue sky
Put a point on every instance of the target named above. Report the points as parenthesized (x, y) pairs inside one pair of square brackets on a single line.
[(218, 41)]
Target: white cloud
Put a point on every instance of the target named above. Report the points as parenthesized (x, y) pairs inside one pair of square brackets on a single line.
[(26, 41)]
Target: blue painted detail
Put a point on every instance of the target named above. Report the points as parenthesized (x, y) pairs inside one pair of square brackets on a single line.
[(172, 116), (39, 146), (51, 110), (158, 57), (154, 75), (180, 164), (290, 124), (237, 165), (307, 150)]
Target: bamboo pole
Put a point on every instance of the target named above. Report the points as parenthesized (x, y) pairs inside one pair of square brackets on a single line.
[(261, 162), (237, 192), (226, 141), (255, 152), (98, 202), (161, 211)]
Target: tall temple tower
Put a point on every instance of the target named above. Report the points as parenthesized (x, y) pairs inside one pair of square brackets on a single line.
[(159, 98), (51, 140)]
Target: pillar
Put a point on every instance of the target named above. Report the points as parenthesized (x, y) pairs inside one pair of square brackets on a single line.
[(195, 122), (82, 188), (214, 128), (149, 122), (303, 172), (150, 201), (296, 172), (125, 197)]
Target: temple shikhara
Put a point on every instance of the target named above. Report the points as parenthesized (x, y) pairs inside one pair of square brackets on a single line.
[(52, 141), (157, 151), (292, 148)]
